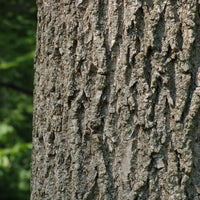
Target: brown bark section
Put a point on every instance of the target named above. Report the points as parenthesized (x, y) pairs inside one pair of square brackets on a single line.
[(117, 100)]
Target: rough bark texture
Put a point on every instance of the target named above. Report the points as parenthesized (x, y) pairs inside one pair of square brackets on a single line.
[(117, 100)]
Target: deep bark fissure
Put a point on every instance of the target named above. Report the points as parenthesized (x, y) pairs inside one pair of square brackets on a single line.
[(148, 66), (128, 71), (191, 90), (195, 62), (159, 32), (155, 97)]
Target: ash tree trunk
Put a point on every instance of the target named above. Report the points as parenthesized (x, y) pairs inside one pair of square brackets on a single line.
[(117, 100)]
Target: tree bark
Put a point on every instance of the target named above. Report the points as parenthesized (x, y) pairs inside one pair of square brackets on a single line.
[(117, 100)]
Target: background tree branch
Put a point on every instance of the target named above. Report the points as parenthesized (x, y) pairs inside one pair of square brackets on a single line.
[(16, 87)]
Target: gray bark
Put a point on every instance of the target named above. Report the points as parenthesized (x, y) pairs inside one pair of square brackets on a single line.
[(117, 100)]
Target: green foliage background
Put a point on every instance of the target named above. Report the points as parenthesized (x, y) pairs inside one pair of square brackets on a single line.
[(17, 46)]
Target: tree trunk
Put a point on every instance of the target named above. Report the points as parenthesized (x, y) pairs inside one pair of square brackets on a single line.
[(117, 100)]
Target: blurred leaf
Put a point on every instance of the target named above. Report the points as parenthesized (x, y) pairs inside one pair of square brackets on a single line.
[(7, 135), (17, 44), (4, 161), (24, 176)]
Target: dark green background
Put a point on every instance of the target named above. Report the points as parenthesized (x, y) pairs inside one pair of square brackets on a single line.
[(17, 46)]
